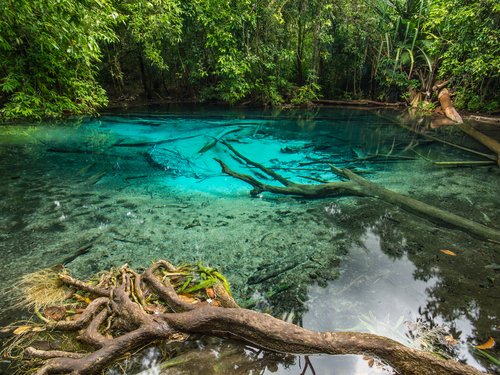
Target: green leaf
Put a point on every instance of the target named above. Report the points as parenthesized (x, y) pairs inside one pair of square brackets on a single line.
[(202, 285), (185, 284)]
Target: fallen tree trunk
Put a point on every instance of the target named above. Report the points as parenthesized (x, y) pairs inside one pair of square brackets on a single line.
[(359, 186), (116, 325), (484, 139), (488, 120), (446, 104), (398, 123)]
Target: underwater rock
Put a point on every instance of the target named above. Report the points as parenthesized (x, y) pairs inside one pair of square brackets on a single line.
[(291, 150), (321, 146), (161, 159)]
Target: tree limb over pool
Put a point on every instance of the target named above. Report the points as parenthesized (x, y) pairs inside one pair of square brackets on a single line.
[(117, 308)]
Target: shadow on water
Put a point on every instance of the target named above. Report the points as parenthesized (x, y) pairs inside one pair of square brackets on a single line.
[(136, 186)]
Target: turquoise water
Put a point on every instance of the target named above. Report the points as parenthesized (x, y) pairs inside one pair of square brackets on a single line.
[(135, 185)]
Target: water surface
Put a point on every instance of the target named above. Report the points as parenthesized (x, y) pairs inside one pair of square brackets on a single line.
[(136, 185)]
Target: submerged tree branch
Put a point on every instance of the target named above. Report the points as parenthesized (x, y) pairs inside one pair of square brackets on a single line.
[(359, 186)]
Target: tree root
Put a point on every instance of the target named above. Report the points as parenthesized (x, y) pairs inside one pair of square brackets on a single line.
[(359, 186), (253, 327)]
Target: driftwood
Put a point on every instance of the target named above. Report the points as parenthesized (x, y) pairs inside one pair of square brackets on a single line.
[(447, 106), (450, 112), (494, 158), (116, 323), (488, 120), (359, 186), (154, 143), (439, 86)]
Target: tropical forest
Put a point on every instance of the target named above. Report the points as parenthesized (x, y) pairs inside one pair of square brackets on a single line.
[(249, 187)]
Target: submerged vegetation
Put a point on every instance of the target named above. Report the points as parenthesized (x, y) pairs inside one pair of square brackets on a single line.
[(72, 56)]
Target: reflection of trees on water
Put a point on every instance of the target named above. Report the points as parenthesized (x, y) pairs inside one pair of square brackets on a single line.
[(463, 297), (208, 355), (392, 241)]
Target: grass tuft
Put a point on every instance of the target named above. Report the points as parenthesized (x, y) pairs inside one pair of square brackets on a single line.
[(39, 290)]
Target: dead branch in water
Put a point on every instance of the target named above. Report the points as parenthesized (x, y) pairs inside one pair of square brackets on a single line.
[(359, 186)]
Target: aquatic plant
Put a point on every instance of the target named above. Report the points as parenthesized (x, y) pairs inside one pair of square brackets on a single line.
[(202, 277), (432, 338)]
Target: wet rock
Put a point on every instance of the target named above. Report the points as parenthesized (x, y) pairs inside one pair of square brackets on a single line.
[(291, 150)]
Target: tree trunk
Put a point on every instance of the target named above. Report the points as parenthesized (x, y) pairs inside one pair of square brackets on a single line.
[(144, 77), (447, 106), (484, 139)]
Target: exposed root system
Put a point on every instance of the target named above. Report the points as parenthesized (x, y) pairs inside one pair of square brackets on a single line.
[(123, 311)]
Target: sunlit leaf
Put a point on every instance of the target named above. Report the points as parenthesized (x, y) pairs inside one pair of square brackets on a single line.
[(448, 252), (21, 330), (487, 345), (449, 340), (210, 292), (185, 297)]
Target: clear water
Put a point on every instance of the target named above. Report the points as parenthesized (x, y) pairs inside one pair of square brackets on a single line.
[(135, 183)]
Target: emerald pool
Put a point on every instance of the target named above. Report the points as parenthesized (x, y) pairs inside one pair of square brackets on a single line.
[(142, 184)]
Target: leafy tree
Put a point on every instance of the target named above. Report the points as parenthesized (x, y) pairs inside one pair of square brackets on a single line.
[(151, 29), (56, 57), (403, 61), (48, 52), (467, 45)]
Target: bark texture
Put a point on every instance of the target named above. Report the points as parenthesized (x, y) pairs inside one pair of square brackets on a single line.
[(132, 327), (447, 105)]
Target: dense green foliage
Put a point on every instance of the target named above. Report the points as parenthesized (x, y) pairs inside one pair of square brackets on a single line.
[(467, 46), (48, 52), (69, 56)]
